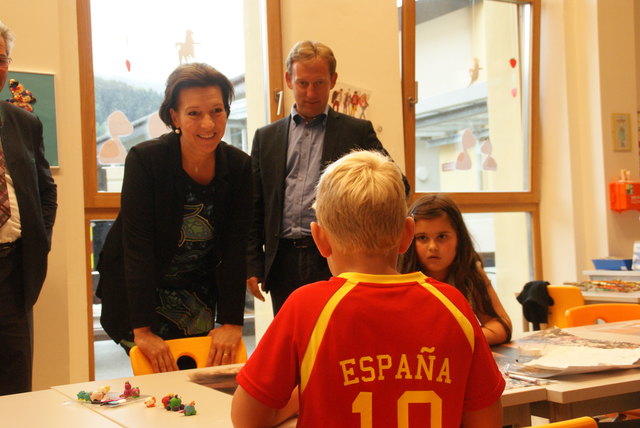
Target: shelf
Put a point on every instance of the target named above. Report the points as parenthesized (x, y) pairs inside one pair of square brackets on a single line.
[(626, 275)]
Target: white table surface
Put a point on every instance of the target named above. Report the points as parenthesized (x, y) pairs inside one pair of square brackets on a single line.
[(48, 408), (212, 406)]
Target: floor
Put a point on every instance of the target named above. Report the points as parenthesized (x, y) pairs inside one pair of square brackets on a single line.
[(110, 360)]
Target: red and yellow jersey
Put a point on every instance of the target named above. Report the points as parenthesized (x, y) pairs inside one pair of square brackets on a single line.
[(375, 351)]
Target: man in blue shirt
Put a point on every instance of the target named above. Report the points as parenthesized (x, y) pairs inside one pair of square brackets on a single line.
[(287, 157)]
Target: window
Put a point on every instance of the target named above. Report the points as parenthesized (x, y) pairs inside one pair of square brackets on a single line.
[(470, 113)]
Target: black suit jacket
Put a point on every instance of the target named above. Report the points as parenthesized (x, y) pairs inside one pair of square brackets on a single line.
[(269, 156), (36, 193), (142, 241)]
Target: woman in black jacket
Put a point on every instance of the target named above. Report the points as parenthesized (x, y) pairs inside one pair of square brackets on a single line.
[(173, 263)]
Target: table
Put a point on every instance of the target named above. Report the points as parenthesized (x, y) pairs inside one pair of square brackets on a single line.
[(590, 394), (48, 408), (213, 406), (567, 397), (594, 393), (516, 404)]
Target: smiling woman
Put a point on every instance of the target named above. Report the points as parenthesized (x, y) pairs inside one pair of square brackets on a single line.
[(127, 51), (172, 265)]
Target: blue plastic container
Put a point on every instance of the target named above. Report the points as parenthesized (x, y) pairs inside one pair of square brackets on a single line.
[(612, 264)]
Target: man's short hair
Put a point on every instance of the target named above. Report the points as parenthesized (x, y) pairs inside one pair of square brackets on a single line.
[(360, 201), (307, 50), (7, 35)]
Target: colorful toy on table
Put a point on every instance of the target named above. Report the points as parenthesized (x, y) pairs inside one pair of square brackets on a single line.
[(20, 96), (129, 391), (165, 400), (175, 404), (190, 409), (97, 396), (150, 402), (83, 396)]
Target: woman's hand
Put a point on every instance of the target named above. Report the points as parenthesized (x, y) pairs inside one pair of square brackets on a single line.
[(224, 344), (155, 349)]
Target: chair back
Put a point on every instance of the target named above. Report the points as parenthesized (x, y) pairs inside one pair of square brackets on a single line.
[(196, 348), (583, 422), (607, 312), (564, 297)]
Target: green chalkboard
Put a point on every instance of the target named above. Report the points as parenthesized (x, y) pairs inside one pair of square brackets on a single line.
[(42, 88)]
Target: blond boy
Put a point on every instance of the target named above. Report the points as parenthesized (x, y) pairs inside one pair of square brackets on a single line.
[(369, 347)]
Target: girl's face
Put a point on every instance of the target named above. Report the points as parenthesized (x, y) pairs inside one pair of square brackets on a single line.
[(436, 242)]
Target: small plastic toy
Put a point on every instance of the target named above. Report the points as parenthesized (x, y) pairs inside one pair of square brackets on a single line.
[(150, 402), (165, 401), (135, 392), (97, 396), (190, 409), (127, 390), (83, 396), (175, 404)]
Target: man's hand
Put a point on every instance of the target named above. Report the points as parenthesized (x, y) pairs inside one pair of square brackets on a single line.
[(155, 349), (254, 285)]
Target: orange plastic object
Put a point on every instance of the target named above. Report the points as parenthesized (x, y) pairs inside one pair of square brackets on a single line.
[(564, 297), (607, 312), (194, 347), (624, 195)]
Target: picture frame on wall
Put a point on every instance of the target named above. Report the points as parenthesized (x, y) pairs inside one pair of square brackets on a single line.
[(621, 127)]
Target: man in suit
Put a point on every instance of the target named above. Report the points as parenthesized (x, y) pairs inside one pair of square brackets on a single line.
[(288, 157), (25, 234)]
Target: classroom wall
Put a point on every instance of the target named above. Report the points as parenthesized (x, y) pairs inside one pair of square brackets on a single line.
[(577, 160), (588, 70)]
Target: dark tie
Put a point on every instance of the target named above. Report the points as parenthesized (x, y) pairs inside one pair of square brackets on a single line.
[(5, 208)]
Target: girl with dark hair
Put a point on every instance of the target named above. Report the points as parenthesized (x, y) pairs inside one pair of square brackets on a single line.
[(442, 249)]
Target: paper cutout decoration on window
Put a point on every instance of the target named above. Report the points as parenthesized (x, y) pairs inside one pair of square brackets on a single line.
[(155, 126), (489, 163), (113, 151), (474, 71), (463, 162), (186, 51)]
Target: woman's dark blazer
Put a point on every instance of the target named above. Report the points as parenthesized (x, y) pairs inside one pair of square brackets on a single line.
[(143, 239)]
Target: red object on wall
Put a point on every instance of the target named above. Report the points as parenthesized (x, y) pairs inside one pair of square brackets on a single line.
[(624, 195)]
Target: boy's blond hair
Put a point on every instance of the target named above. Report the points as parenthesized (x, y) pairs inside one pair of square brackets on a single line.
[(360, 201)]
